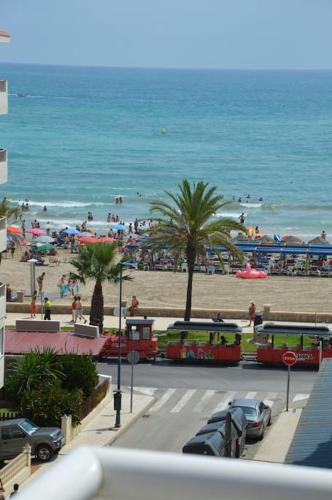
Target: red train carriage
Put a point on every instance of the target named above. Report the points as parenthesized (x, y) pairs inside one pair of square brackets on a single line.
[(216, 349), (138, 337), (269, 353)]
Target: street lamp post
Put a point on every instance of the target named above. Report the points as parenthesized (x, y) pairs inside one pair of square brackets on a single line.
[(117, 393)]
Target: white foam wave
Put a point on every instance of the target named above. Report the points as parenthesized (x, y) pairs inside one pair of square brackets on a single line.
[(65, 204), (251, 205), (231, 215)]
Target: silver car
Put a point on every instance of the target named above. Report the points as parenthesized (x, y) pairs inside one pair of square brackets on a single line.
[(257, 413)]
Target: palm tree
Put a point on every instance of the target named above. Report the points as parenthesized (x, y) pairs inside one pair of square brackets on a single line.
[(7, 211), (99, 262), (185, 224)]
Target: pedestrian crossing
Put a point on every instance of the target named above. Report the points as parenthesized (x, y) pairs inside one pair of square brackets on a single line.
[(175, 400)]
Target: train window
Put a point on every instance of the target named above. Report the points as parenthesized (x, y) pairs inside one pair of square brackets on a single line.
[(146, 333)]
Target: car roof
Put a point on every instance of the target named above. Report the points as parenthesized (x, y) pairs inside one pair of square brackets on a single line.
[(248, 403), (11, 421)]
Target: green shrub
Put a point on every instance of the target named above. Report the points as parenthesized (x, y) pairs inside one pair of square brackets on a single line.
[(45, 406), (79, 373)]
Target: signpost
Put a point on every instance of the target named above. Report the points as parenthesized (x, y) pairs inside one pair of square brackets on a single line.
[(289, 358), (133, 359)]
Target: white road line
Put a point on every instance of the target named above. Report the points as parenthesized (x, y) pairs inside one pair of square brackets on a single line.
[(229, 396), (201, 404), (183, 401), (299, 397), (148, 391), (250, 395), (164, 398), (270, 399)]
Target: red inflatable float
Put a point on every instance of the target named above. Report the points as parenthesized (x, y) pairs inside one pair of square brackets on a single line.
[(251, 274)]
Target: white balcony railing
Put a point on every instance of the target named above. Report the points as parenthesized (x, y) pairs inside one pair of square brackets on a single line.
[(2, 303), (3, 166), (3, 97), (3, 234), (122, 474)]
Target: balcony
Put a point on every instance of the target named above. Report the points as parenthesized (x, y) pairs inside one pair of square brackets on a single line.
[(3, 234), (3, 97), (3, 166), (2, 304)]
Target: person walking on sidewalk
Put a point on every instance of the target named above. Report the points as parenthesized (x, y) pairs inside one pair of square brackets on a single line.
[(251, 313), (79, 308), (34, 304), (47, 308)]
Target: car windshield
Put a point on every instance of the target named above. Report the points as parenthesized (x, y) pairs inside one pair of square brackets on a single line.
[(28, 426), (248, 411)]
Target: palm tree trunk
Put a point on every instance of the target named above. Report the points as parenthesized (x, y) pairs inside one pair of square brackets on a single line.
[(191, 258), (97, 307)]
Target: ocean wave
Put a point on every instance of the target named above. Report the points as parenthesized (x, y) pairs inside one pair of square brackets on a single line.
[(231, 215), (251, 205), (65, 204)]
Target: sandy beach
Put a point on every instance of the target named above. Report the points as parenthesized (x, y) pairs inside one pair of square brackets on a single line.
[(164, 289)]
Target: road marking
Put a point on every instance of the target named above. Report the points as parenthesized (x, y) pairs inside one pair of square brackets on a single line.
[(299, 397), (201, 404), (270, 399), (250, 395), (229, 396), (183, 401), (164, 398), (147, 391)]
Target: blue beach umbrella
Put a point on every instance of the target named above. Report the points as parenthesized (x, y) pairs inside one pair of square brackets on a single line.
[(71, 231), (119, 227)]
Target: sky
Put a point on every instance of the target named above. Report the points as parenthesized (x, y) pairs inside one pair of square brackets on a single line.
[(240, 34)]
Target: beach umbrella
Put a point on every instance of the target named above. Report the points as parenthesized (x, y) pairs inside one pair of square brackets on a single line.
[(119, 227), (71, 231), (85, 233), (88, 240), (36, 231), (44, 239), (267, 240), (44, 248), (14, 230), (318, 241), (292, 240), (106, 239)]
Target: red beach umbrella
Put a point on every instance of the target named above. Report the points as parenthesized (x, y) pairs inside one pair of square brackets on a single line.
[(36, 231), (86, 240), (14, 230), (106, 239)]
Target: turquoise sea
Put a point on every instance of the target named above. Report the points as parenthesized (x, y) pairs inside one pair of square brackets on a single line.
[(78, 137)]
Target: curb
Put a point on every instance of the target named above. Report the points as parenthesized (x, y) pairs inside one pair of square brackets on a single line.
[(125, 427)]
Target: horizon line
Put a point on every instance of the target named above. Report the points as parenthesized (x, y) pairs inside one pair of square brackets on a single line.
[(163, 68)]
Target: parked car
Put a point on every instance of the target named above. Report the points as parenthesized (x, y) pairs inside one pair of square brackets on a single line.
[(257, 413), (239, 421), (211, 443), (16, 433)]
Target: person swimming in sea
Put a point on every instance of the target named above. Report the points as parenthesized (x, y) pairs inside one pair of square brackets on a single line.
[(239, 200), (45, 208)]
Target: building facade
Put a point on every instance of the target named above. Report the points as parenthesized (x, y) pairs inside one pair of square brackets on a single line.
[(4, 37)]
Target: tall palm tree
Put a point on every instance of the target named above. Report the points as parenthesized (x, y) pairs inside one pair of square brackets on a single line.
[(99, 262), (185, 224), (7, 211)]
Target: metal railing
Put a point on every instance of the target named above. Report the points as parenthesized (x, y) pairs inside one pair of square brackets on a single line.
[(122, 474)]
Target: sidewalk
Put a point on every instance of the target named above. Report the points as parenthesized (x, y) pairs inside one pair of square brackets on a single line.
[(276, 443)]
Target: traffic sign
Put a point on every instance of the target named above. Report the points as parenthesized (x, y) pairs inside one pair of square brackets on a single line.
[(289, 358), (133, 357)]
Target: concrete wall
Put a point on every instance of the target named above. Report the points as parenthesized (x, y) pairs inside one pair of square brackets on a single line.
[(3, 166)]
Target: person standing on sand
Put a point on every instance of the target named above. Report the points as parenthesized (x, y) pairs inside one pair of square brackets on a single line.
[(34, 304), (40, 282), (251, 313)]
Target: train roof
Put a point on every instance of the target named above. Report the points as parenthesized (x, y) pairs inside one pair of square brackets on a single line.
[(205, 326), (136, 322), (273, 329)]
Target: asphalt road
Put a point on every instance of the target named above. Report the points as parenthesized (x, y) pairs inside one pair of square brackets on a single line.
[(186, 396)]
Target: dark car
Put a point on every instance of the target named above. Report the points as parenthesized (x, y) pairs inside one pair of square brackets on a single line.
[(16, 433), (238, 420), (257, 413), (210, 443)]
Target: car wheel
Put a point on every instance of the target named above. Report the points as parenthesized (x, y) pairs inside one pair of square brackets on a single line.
[(44, 453), (262, 434), (270, 421), (237, 450)]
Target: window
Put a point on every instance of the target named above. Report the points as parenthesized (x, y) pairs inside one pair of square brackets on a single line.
[(2, 330), (28, 426), (12, 432), (146, 333)]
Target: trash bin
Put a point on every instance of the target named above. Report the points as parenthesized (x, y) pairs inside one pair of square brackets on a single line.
[(258, 319), (117, 400)]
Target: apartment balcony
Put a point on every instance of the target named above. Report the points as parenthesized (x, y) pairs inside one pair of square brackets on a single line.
[(3, 97), (3, 166), (3, 234)]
